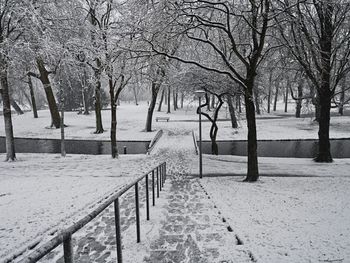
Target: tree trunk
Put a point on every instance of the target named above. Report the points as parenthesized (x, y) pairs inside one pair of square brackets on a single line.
[(253, 170), (10, 142), (174, 100), (169, 93), (239, 103), (269, 94), (234, 123), (16, 107), (161, 100), (44, 78), (325, 93), (85, 101), (114, 149), (97, 103), (324, 148), (155, 89), (342, 98), (32, 97), (182, 100), (213, 101), (299, 101), (286, 97), (276, 98), (135, 96)]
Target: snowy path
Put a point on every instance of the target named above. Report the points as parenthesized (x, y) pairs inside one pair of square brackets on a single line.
[(193, 230)]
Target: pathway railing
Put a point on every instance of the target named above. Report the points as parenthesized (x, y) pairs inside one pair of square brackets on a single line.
[(157, 177)]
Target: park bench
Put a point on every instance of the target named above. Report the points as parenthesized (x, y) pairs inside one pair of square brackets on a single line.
[(162, 119)]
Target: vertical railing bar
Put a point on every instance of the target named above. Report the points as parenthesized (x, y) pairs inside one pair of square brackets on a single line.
[(153, 193), (157, 183), (163, 175), (147, 198), (117, 230), (137, 212), (68, 250)]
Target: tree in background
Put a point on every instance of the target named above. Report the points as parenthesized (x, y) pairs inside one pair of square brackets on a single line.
[(235, 35), (317, 34)]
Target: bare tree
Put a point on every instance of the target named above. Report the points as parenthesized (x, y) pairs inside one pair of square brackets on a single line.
[(317, 35), (233, 33)]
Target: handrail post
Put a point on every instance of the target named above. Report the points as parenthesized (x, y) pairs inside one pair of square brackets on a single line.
[(157, 183), (153, 193), (147, 198), (68, 250), (117, 230), (137, 212), (163, 174)]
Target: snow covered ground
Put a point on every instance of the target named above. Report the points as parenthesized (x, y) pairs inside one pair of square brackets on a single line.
[(281, 219), (287, 219), (131, 123), (40, 193)]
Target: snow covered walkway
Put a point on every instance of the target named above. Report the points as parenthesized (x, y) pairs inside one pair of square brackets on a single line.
[(193, 229)]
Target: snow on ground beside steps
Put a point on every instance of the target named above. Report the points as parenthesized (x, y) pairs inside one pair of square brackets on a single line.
[(44, 191), (291, 219)]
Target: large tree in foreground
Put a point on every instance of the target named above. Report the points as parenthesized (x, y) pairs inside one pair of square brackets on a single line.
[(317, 33), (11, 15), (232, 36)]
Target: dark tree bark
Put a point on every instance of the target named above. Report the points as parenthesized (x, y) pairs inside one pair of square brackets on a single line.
[(97, 101), (161, 100), (214, 128), (10, 142), (44, 78), (239, 102), (182, 100), (17, 108), (231, 109), (325, 93), (253, 169), (169, 93), (299, 101), (32, 96), (155, 89), (276, 97), (213, 101), (135, 96), (342, 99), (286, 97), (174, 100), (269, 94), (114, 149), (85, 101)]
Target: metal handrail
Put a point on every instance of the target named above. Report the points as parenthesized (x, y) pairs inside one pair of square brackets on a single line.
[(154, 141), (65, 236)]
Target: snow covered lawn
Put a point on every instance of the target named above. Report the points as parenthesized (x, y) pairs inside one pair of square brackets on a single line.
[(132, 119), (287, 219), (42, 192)]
